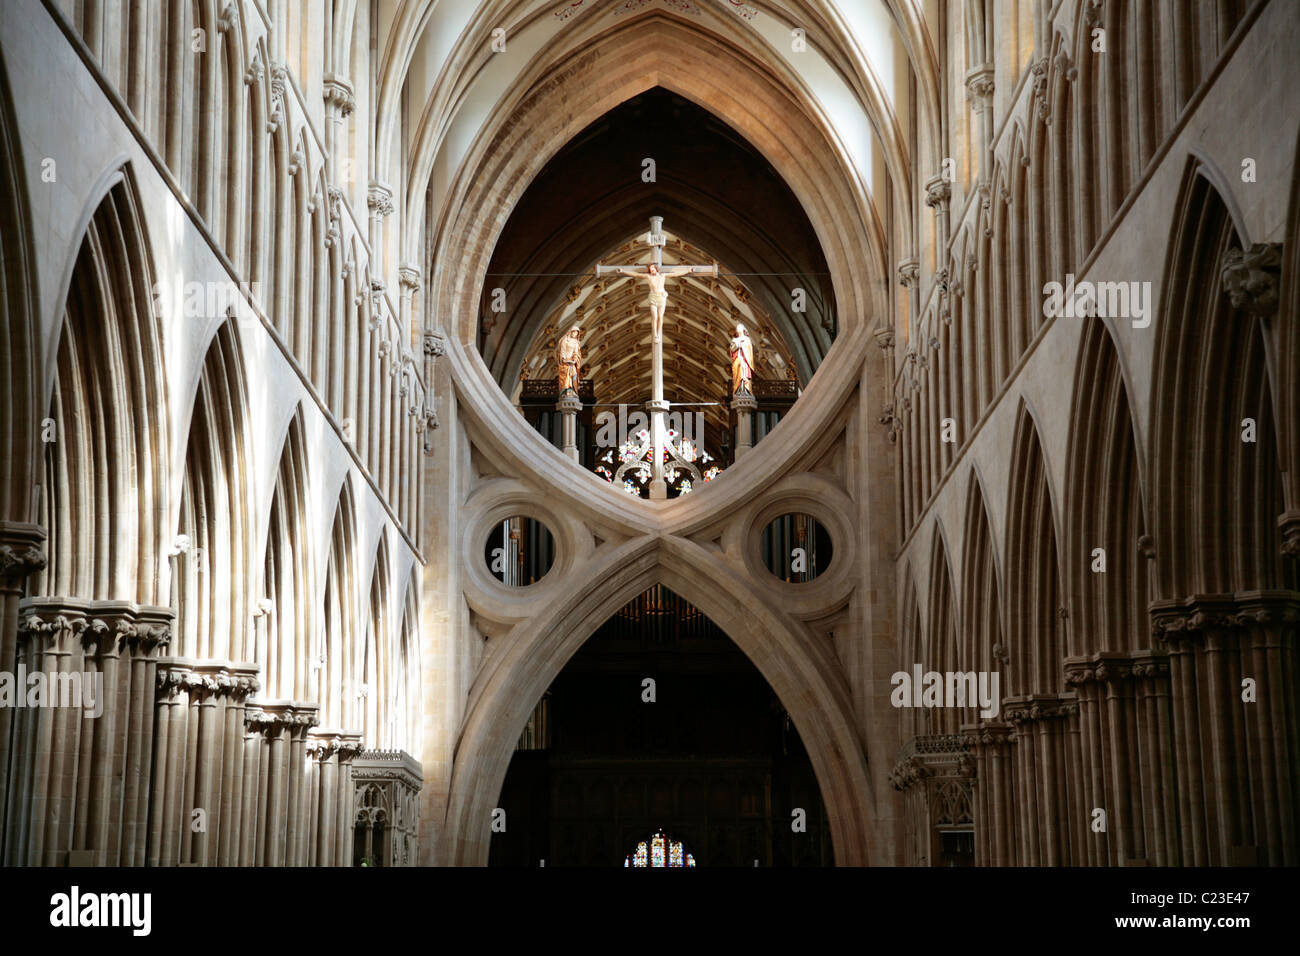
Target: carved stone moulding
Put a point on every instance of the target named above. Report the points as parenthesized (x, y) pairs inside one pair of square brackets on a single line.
[(1030, 708), (21, 551), (323, 744), (105, 627), (207, 679), (275, 715), (1106, 667), (1251, 277), (1188, 620)]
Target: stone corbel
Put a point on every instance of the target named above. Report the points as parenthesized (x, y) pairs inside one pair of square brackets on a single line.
[(909, 271), (1251, 277), (979, 87), (339, 96), (379, 199), (1289, 522), (937, 193), (21, 554)]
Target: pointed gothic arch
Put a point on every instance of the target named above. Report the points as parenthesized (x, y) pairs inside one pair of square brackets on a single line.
[(284, 645), (107, 513), (1035, 628), (515, 676), (214, 573), (335, 659), (1106, 505)]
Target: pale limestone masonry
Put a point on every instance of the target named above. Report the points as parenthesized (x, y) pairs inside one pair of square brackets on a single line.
[(252, 451)]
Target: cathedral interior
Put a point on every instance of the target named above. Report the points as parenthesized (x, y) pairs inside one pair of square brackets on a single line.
[(650, 433)]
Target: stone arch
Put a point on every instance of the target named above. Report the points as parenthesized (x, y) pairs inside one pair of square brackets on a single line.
[(288, 575), (941, 650), (1218, 531), (520, 667), (1288, 350), (1105, 505), (983, 626), (337, 646), (374, 668), (640, 53), (106, 518), (20, 414), (1035, 632), (214, 570)]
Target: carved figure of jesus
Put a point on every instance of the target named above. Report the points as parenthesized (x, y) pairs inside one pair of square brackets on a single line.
[(568, 359), (655, 275), (742, 361)]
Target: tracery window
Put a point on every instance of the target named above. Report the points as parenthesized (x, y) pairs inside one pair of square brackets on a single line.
[(659, 851)]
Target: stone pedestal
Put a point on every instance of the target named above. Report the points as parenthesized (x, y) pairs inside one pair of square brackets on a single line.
[(568, 406), (744, 405)]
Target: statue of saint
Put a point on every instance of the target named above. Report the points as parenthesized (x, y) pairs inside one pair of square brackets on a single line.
[(742, 361), (568, 360)]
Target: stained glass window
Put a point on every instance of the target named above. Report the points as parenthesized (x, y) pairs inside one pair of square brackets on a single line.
[(660, 851)]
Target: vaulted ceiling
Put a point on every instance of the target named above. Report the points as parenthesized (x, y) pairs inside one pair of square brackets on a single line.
[(717, 195), (702, 313)]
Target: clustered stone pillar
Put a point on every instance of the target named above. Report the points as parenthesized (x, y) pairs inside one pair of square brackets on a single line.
[(1232, 676), (21, 556), (993, 793), (79, 790), (744, 405), (1043, 754), (1127, 761), (275, 755), (332, 796), (568, 406)]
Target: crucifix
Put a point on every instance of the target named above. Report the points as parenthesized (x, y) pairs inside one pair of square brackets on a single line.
[(655, 275)]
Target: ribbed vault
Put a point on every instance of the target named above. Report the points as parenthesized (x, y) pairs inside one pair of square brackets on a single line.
[(715, 192), (702, 315)]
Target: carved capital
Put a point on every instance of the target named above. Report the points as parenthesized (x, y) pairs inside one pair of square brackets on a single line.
[(435, 344), (18, 563), (338, 95), (1289, 522), (937, 193), (408, 277), (1251, 277), (379, 199), (979, 87), (909, 271)]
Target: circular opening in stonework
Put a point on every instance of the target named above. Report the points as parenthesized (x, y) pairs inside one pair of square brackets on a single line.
[(519, 551), (796, 548)]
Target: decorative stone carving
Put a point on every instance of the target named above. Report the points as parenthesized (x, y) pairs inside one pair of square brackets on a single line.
[(379, 199), (979, 87), (1064, 66), (1251, 277), (338, 95), (937, 193), (408, 277), (1039, 72), (1289, 522), (909, 271)]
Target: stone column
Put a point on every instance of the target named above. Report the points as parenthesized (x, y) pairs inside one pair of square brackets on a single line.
[(568, 406), (21, 556), (938, 194), (339, 104), (42, 813), (408, 279), (379, 201), (744, 405), (979, 90), (169, 765)]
